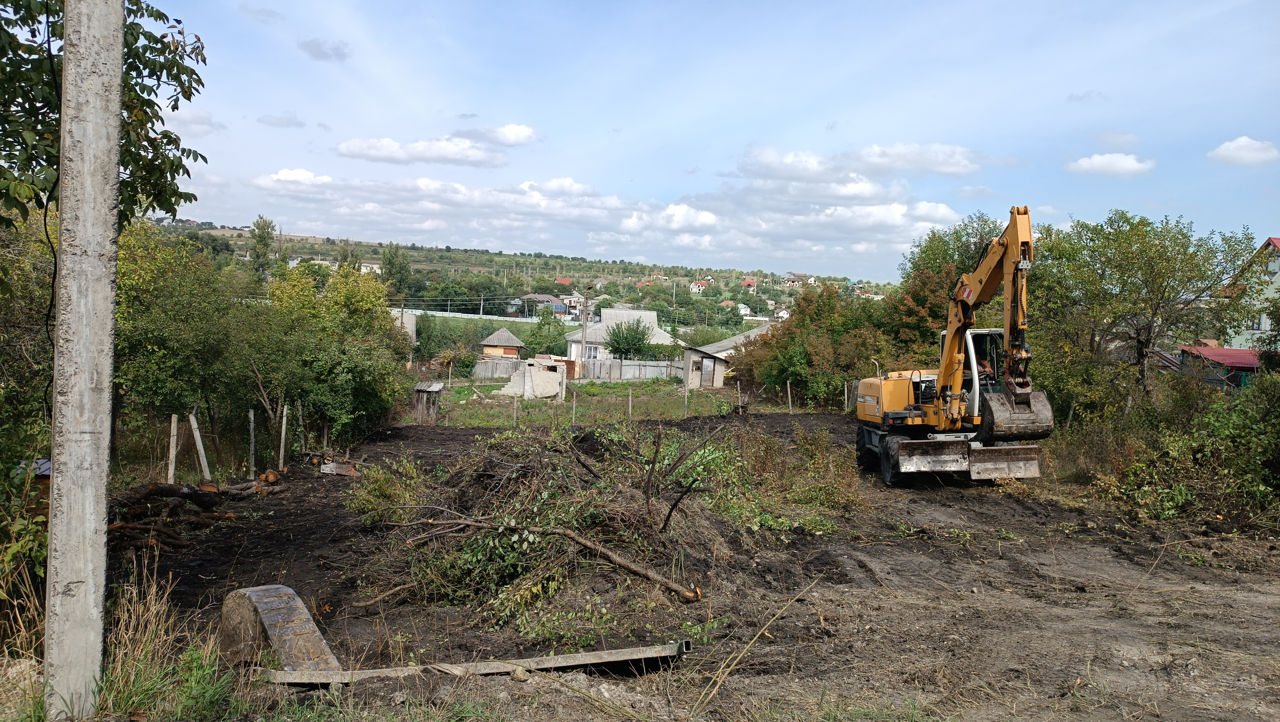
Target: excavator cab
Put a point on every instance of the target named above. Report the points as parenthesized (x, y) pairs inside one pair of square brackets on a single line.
[(983, 357)]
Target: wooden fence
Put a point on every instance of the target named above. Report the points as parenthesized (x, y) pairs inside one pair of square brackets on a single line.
[(620, 370)]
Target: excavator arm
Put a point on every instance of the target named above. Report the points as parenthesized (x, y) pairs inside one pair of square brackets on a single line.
[(1006, 261)]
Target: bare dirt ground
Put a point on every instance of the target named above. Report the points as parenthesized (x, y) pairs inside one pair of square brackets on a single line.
[(941, 600)]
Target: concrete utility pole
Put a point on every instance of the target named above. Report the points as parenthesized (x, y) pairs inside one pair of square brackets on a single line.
[(93, 53)]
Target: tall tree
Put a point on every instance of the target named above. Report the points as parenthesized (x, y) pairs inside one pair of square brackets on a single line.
[(260, 239), (396, 270), (159, 75), (1129, 286)]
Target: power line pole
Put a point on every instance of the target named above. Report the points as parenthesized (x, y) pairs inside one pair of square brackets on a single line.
[(93, 53)]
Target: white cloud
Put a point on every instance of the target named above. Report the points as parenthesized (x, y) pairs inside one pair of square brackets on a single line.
[(299, 175), (794, 165), (1047, 210), (325, 50), (689, 240), (825, 211), (1120, 164), (927, 157), (449, 149), (193, 123), (934, 212), (1119, 140), (287, 119), (1245, 151), (678, 216), (511, 134), (558, 186)]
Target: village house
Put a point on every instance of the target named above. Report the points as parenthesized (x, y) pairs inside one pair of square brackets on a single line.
[(565, 281), (697, 287), (588, 343), (371, 268), (798, 280), (501, 343), (749, 283), (534, 301), (1221, 367), (1268, 256)]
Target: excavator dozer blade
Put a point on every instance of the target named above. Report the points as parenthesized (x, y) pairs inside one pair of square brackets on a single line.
[(1004, 420), (917, 456), (1004, 462)]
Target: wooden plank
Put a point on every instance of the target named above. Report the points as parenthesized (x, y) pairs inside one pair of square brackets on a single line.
[(657, 653)]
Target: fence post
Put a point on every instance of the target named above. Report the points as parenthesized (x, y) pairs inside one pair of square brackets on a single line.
[(253, 443), (204, 462), (788, 396), (515, 410), (573, 412), (686, 400), (284, 428), (628, 404), (173, 446)]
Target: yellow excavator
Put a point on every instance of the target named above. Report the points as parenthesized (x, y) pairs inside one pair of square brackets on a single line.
[(975, 412)]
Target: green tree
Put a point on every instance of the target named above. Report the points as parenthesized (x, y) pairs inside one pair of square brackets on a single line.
[(951, 251), (548, 335), (629, 340), (260, 239), (396, 270), (158, 75), (1122, 289), (348, 255)]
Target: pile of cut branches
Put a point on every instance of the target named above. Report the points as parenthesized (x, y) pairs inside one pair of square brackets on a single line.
[(512, 519)]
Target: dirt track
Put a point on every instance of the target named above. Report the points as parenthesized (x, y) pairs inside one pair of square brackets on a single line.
[(960, 601)]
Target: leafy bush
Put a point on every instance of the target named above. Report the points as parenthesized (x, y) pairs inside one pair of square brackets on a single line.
[(1223, 468)]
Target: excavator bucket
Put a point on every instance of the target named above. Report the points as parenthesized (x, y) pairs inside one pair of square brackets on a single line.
[(1004, 462), (1005, 420)]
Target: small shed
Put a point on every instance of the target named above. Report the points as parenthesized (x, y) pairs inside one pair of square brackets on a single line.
[(501, 343), (705, 367), (426, 402)]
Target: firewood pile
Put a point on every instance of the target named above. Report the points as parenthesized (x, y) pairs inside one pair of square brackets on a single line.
[(158, 516)]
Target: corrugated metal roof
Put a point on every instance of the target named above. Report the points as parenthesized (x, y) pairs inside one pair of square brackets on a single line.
[(609, 317), (428, 386), (502, 337), (724, 349), (1237, 358)]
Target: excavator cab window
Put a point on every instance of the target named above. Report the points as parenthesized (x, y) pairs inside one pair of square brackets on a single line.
[(988, 349)]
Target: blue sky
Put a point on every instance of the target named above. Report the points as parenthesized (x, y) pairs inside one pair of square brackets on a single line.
[(821, 137)]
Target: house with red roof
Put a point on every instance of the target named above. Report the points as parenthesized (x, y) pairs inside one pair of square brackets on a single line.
[(1221, 367), (697, 287), (1268, 257), (565, 281)]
